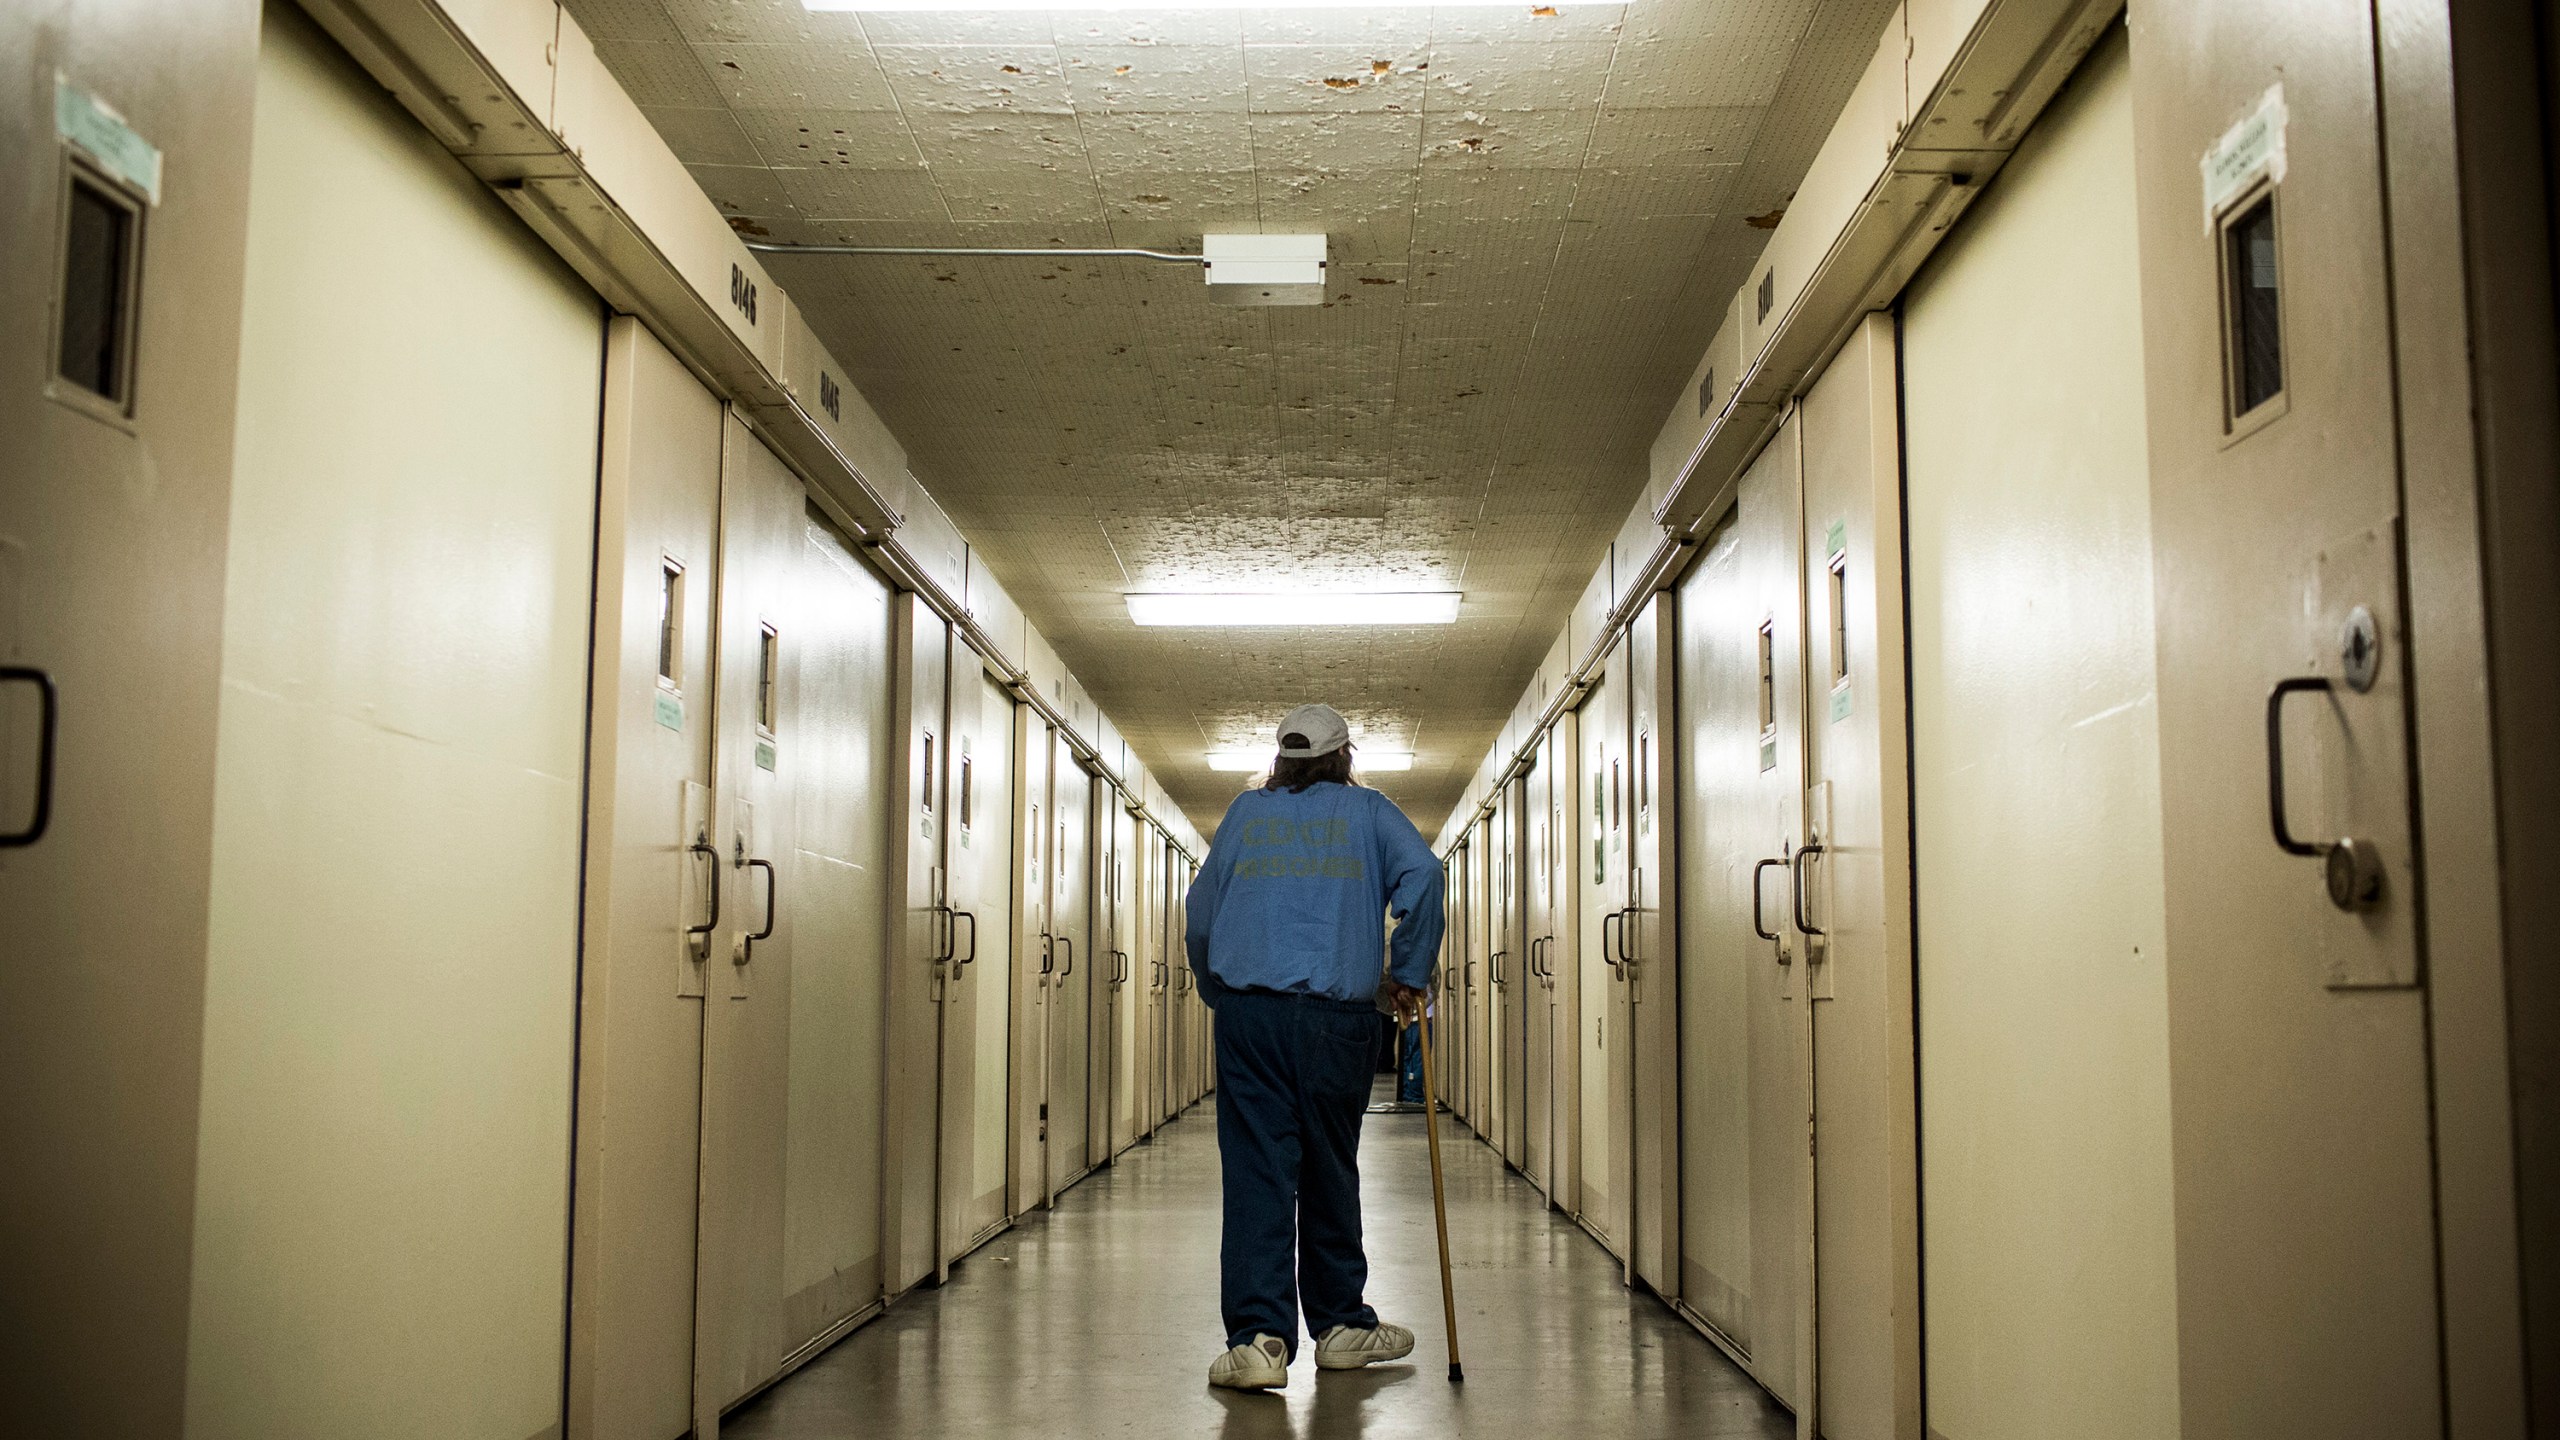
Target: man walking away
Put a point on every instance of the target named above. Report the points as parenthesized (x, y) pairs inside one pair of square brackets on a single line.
[(1285, 936)]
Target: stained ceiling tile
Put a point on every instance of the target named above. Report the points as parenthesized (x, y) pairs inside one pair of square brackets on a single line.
[(1695, 135), (1138, 144), (1333, 79), (705, 137), (1506, 139), (1335, 143), (1517, 75), (749, 190), (831, 194), (1155, 79), (968, 79), (803, 136), (1025, 144), (660, 74), (795, 76), (1408, 28), (1580, 24)]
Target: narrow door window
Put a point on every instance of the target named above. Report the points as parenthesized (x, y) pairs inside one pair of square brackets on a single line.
[(94, 303), (928, 770), (2253, 345), (768, 662), (1769, 695), (671, 623)]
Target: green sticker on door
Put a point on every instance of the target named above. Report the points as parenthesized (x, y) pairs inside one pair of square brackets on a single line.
[(764, 755), (1837, 539), (670, 711), (1840, 703)]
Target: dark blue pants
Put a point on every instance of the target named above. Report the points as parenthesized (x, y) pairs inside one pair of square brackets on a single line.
[(1293, 1079)]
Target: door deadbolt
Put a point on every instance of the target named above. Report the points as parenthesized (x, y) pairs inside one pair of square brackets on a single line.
[(2354, 873), (2360, 650)]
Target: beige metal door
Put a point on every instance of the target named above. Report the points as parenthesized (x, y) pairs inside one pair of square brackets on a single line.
[(1865, 1110), (1538, 986), (1071, 980), (1483, 947), (1035, 940), (2047, 1250), (1649, 970), (651, 869), (111, 590), (1607, 1077), (382, 1122), (839, 721), (747, 1011), (1745, 1106), (977, 992), (921, 795), (1569, 820), (2299, 1071), (1135, 976), (1520, 993)]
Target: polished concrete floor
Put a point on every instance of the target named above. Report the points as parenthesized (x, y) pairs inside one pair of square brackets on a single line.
[(1101, 1317)]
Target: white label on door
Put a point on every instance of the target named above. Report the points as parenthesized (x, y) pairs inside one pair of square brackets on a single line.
[(2252, 147)]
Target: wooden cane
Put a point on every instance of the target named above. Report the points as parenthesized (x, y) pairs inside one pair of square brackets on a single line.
[(1439, 1197)]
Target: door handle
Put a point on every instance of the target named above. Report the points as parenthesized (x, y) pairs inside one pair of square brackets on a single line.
[(1048, 954), (700, 935), (1493, 969), (48, 731), (956, 917), (747, 950), (1759, 922), (2351, 868), (1795, 883), (1070, 967)]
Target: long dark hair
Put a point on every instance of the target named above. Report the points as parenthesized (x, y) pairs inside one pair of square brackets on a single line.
[(1294, 773)]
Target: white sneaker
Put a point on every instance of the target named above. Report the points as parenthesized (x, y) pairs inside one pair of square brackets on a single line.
[(1345, 1348), (1262, 1365)]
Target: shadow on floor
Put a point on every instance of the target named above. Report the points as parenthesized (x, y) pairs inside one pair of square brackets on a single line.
[(1100, 1318)]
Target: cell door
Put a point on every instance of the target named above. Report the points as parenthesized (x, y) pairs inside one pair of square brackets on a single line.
[(1035, 940), (651, 868), (113, 505), (839, 717), (1475, 1065), (2298, 1064), (1134, 976), (738, 1327), (977, 996), (1538, 994), (1648, 970), (924, 950), (1521, 996), (1744, 1043), (1071, 987), (1569, 822), (1607, 1076)]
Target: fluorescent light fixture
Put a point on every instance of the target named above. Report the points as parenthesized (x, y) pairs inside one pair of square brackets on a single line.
[(912, 6), (1284, 607), (1264, 269), (1253, 762)]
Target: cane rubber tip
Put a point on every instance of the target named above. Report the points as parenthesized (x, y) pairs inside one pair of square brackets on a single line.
[(1456, 1374)]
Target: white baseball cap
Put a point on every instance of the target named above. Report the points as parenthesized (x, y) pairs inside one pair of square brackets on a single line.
[(1321, 726)]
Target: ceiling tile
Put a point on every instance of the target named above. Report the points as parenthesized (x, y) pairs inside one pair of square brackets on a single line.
[(1154, 79), (791, 76), (969, 79)]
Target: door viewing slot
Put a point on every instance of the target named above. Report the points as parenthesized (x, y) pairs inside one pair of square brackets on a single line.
[(768, 661), (94, 304), (671, 623), (2253, 343)]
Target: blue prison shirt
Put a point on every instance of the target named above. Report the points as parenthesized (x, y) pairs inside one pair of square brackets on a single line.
[(1294, 895)]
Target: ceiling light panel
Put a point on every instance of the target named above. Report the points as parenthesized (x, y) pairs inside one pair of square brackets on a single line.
[(1293, 609), (910, 7)]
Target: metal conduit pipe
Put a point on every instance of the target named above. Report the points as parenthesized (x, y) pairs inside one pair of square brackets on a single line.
[(765, 247)]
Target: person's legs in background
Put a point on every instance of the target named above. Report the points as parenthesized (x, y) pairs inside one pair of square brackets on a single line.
[(1409, 1076)]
